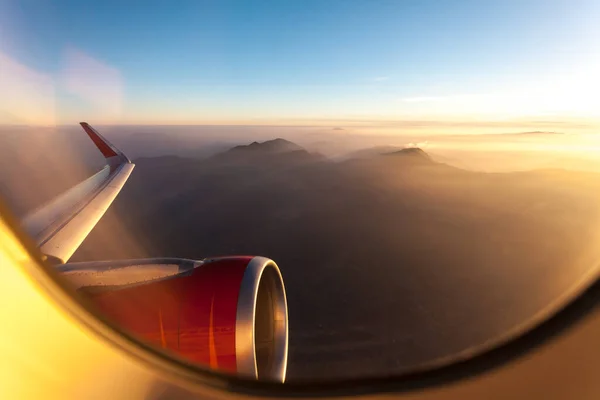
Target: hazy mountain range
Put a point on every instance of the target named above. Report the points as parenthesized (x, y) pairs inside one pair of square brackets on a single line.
[(390, 259), (393, 255)]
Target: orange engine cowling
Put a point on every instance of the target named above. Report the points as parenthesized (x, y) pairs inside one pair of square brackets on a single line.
[(227, 313)]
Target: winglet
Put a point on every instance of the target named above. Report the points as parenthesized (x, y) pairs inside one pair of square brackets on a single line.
[(111, 153)]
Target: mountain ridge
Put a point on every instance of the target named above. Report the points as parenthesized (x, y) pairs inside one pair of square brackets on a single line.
[(277, 145), (413, 152)]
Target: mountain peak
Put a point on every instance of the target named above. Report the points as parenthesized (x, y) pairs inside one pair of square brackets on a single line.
[(278, 145), (412, 152)]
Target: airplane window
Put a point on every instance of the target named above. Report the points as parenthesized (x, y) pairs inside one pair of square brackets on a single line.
[(308, 191)]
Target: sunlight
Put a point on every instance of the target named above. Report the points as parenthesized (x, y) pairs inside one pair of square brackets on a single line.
[(28, 96), (95, 82), (39, 326)]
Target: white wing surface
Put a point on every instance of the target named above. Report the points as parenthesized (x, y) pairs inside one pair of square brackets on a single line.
[(61, 225)]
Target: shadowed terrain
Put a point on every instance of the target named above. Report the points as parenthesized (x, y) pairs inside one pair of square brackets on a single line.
[(390, 260)]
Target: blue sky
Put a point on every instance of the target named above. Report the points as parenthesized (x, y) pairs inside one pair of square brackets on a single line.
[(299, 61)]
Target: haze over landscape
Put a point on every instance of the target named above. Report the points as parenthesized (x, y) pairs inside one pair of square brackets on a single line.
[(392, 257), (426, 175)]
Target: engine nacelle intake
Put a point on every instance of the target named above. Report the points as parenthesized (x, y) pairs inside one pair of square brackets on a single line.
[(227, 313)]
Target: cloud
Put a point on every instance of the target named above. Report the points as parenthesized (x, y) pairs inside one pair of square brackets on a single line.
[(423, 99), (420, 145), (572, 94), (93, 81), (28, 96), (32, 97), (381, 78)]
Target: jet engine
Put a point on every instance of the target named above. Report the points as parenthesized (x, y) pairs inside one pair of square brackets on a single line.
[(226, 313)]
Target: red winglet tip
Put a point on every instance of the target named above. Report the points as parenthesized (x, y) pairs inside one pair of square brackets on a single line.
[(104, 148)]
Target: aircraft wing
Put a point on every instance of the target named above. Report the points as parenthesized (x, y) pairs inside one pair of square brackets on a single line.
[(61, 225), (226, 313)]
